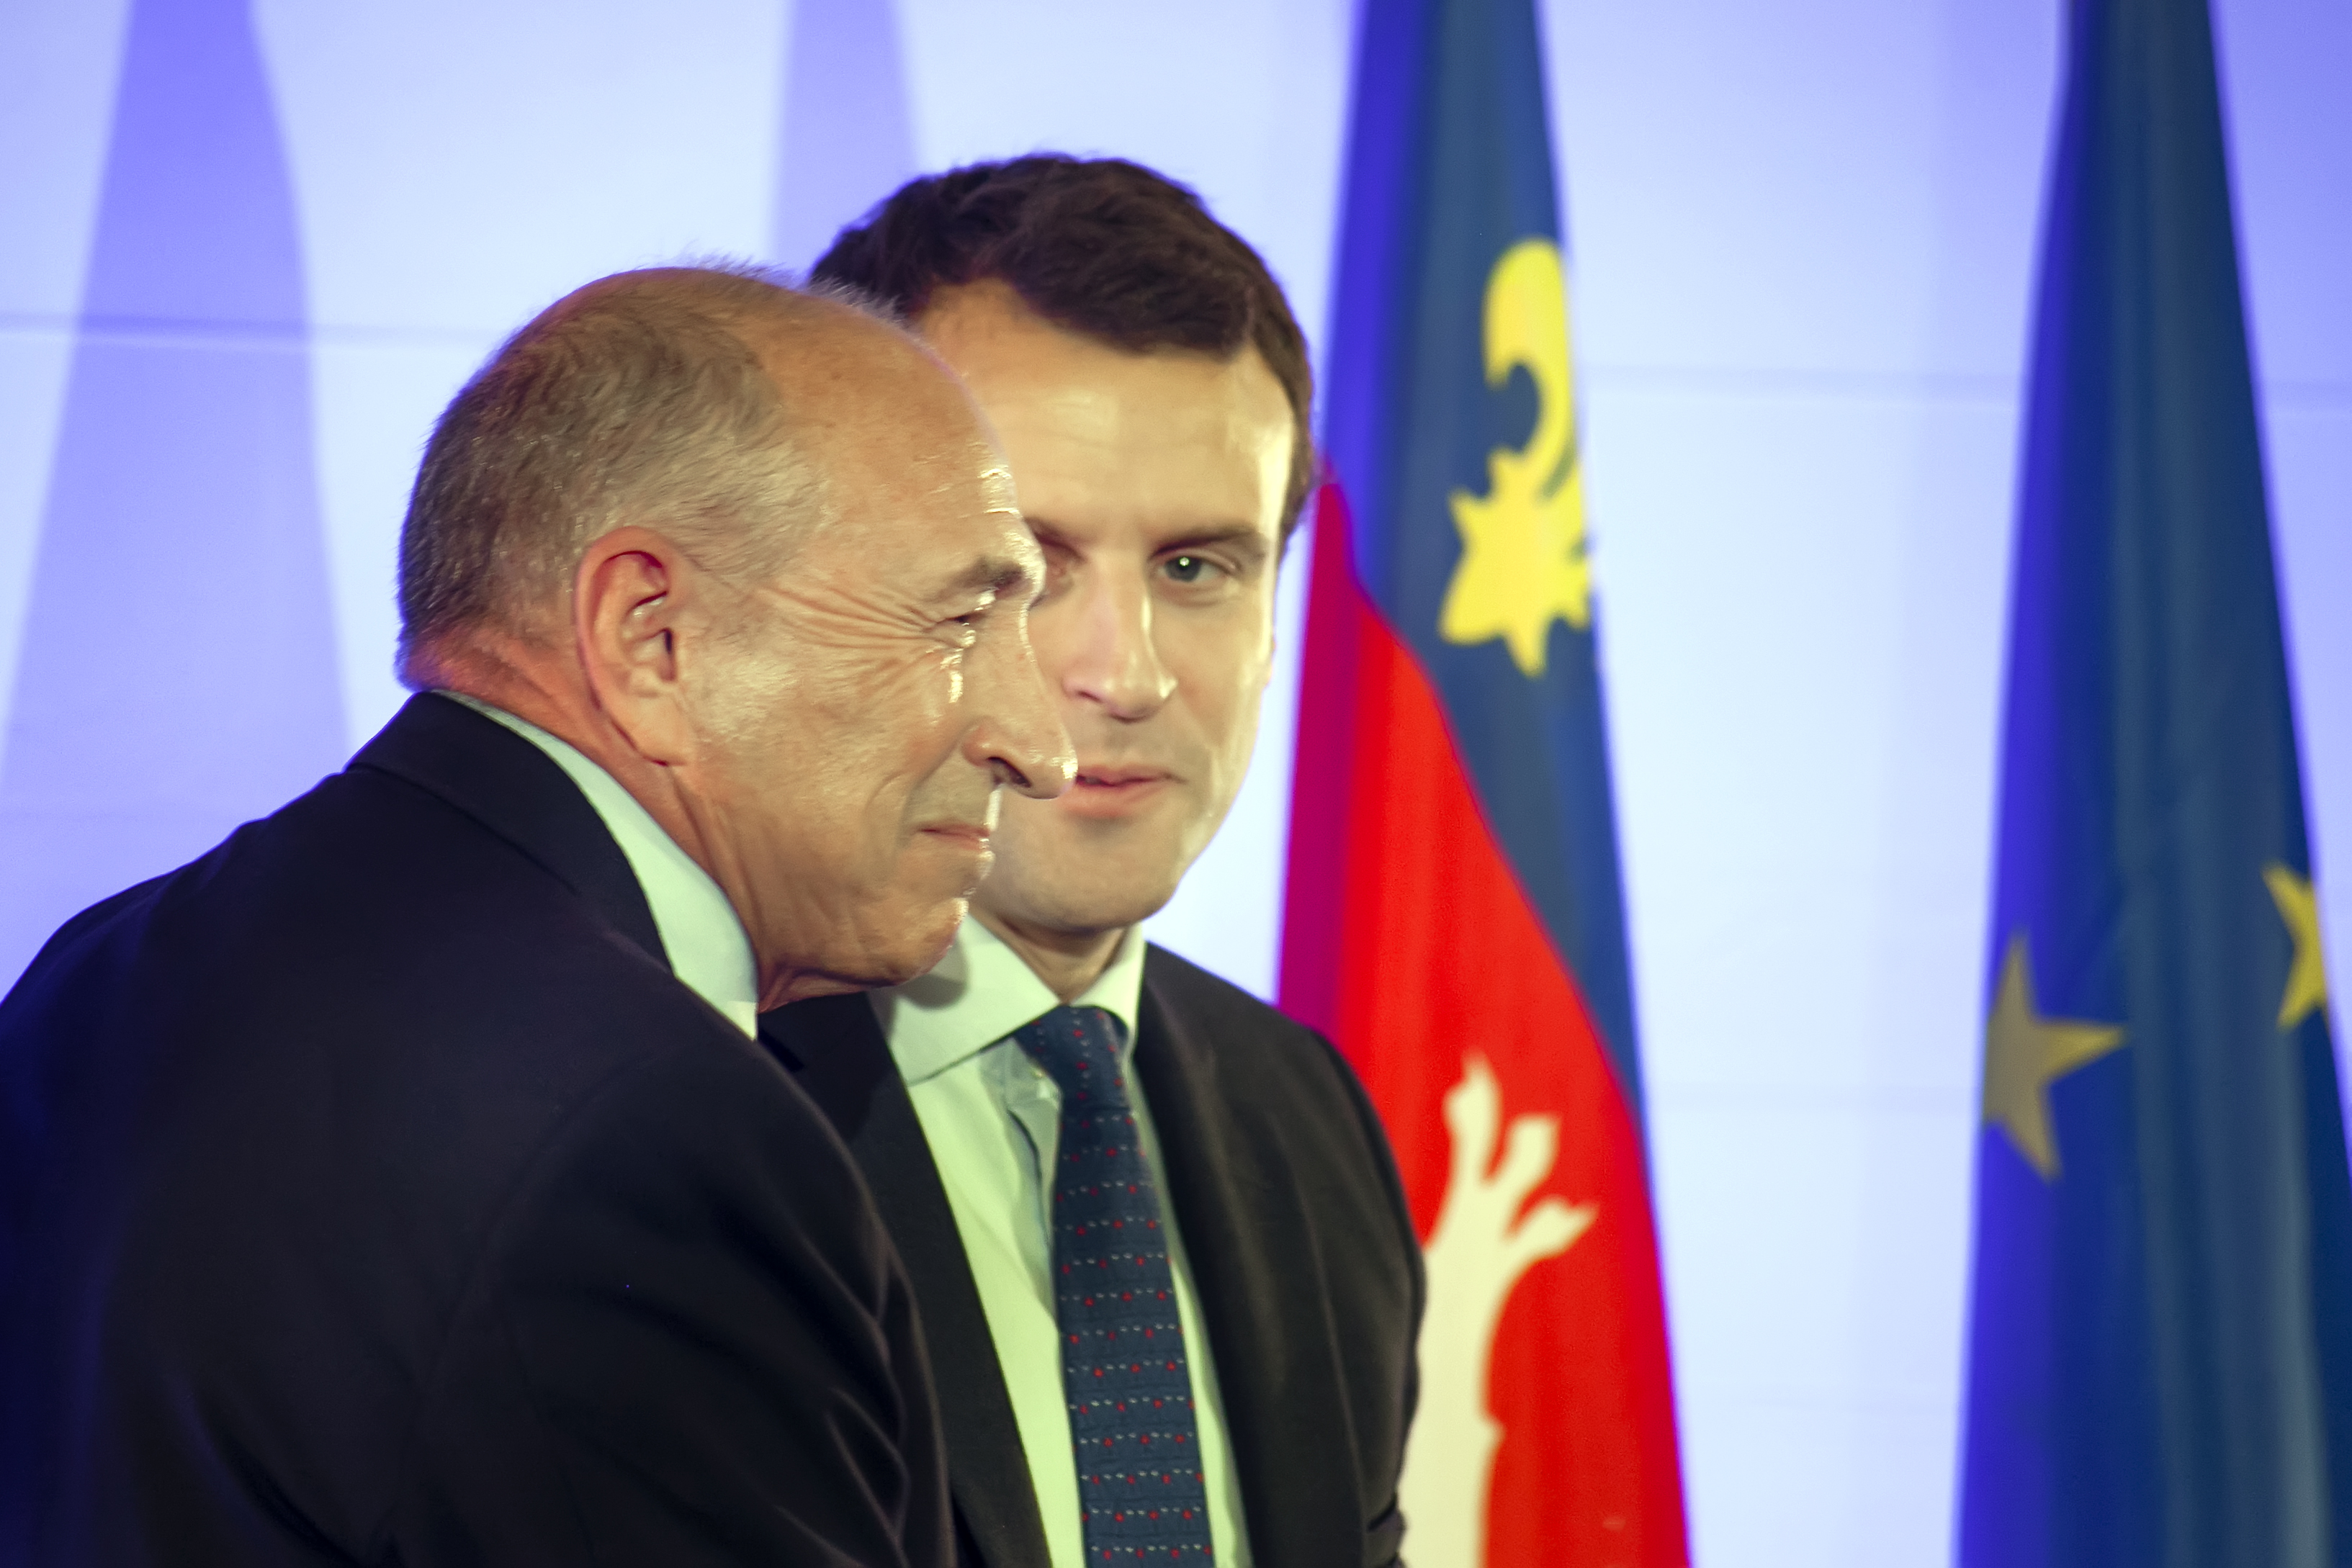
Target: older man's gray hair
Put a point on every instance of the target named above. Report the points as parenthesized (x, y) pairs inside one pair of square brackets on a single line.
[(639, 399)]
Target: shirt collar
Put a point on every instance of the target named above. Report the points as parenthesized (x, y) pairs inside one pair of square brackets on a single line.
[(706, 948), (982, 992)]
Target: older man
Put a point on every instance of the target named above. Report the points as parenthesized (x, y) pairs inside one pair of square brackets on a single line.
[(1166, 1272), (401, 1182)]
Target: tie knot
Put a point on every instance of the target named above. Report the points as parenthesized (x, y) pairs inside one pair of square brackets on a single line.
[(1078, 1047)]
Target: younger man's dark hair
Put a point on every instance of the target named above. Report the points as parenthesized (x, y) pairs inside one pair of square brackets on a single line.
[(1098, 245)]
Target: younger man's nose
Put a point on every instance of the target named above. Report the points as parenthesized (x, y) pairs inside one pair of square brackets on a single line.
[(1109, 656)]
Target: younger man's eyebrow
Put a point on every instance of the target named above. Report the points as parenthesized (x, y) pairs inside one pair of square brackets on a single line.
[(1242, 539)]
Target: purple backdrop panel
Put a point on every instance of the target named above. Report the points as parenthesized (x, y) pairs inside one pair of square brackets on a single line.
[(178, 668), (847, 142)]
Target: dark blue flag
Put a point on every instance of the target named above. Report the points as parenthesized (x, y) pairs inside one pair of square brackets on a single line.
[(2161, 1356)]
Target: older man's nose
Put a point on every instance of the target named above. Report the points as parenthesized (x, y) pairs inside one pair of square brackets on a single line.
[(1019, 736)]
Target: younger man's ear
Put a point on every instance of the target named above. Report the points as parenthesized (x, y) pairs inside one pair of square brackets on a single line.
[(627, 603)]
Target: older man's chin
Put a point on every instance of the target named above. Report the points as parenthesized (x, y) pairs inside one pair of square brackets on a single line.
[(911, 946), (926, 942)]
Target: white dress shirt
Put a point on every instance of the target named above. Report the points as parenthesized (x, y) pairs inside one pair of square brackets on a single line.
[(708, 949), (994, 1121)]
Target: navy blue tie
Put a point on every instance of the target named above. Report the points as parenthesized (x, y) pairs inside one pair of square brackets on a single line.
[(1123, 1366)]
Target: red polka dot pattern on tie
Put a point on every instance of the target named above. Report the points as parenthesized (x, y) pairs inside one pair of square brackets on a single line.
[(1124, 1371)]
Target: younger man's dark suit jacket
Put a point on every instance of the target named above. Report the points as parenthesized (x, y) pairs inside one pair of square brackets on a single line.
[(371, 1192), (1303, 1257)]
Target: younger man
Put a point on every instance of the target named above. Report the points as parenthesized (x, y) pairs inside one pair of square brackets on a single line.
[(1164, 1266)]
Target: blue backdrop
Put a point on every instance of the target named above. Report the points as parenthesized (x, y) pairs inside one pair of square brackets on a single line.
[(246, 253)]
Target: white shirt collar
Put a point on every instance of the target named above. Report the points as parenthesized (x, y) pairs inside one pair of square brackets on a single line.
[(982, 992), (706, 948)]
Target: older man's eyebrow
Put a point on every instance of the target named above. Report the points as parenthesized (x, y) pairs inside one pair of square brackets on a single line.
[(993, 574)]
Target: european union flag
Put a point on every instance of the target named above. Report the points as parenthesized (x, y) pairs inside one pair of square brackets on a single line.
[(2160, 1358)]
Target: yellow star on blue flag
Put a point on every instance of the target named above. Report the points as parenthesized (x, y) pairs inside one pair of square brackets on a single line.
[(2024, 1053), (2307, 976)]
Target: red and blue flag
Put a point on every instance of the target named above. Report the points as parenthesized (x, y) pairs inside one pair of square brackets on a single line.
[(1455, 920)]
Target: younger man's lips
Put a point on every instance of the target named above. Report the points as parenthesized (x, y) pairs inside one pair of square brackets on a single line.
[(1118, 778), (1113, 791)]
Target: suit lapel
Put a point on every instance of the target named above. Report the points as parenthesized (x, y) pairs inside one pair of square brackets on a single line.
[(845, 1064), (1255, 1265), (516, 791)]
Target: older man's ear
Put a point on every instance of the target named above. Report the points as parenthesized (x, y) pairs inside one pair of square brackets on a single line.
[(633, 591)]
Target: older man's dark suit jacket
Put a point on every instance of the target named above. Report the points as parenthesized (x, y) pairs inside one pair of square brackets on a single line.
[(371, 1192), (1302, 1252)]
